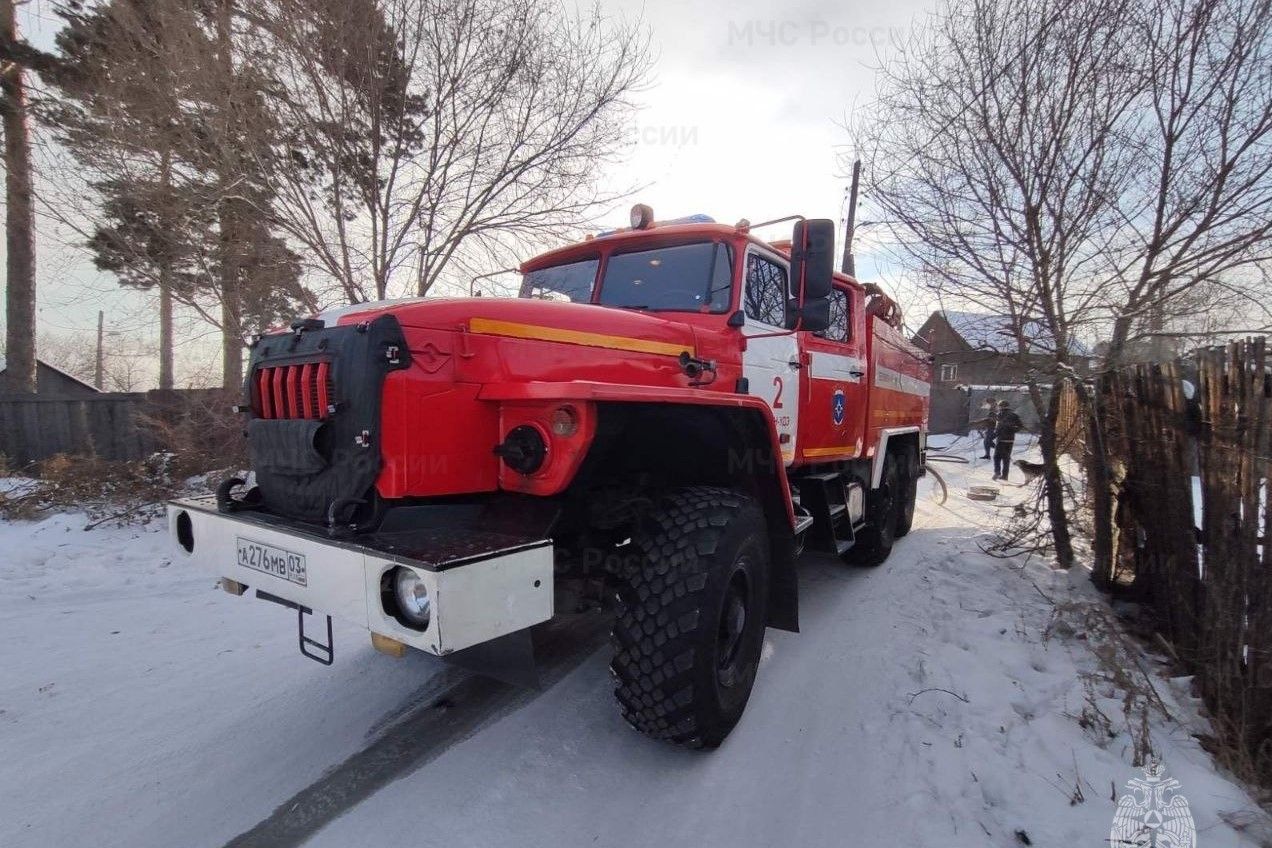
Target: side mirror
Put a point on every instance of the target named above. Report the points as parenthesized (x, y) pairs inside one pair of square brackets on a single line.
[(812, 272), (813, 316)]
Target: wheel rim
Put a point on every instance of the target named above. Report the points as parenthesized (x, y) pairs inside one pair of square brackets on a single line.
[(733, 620)]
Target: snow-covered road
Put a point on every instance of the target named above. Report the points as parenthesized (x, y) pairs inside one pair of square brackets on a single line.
[(931, 701)]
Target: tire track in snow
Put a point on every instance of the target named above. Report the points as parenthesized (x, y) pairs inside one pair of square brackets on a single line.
[(445, 716)]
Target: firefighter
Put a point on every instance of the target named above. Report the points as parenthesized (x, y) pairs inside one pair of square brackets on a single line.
[(1007, 425)]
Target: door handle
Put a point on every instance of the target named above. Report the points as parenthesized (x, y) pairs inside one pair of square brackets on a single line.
[(856, 375), (794, 365)]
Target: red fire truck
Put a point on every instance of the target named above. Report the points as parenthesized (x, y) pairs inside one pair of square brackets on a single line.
[(660, 424)]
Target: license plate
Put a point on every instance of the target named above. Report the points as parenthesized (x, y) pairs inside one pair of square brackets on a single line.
[(268, 559)]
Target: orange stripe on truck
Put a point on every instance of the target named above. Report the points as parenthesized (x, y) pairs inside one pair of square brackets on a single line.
[(846, 450), (511, 329)]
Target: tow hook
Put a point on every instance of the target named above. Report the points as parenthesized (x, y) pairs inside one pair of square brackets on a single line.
[(523, 450), (225, 500), (336, 509)]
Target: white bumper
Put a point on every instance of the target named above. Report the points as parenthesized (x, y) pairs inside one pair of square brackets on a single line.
[(472, 602)]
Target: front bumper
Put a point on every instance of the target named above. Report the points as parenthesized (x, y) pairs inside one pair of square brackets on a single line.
[(482, 585)]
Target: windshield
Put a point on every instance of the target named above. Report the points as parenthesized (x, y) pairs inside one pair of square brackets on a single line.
[(681, 278)]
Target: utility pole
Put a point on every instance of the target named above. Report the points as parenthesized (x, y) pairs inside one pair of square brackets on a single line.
[(849, 265), (101, 354)]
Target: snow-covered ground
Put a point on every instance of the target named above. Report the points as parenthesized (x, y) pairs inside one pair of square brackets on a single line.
[(141, 706), (945, 698)]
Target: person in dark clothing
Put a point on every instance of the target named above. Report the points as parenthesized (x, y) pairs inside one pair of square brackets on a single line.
[(1008, 424), (987, 425)]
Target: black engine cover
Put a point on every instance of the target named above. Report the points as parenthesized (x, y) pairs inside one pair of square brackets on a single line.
[(304, 466)]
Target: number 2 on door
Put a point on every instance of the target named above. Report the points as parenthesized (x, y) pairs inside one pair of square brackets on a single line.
[(777, 399)]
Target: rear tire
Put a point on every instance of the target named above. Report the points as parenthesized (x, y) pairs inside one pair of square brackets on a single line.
[(874, 542), (691, 616), (909, 490)]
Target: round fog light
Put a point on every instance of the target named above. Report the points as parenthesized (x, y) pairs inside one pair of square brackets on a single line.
[(413, 602), (565, 421)]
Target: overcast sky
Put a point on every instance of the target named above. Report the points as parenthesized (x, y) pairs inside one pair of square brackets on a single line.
[(742, 121), (745, 117)]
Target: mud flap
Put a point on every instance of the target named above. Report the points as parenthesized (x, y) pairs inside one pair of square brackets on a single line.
[(509, 659), (783, 611)]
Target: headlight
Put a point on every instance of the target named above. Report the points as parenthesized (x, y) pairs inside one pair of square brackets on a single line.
[(413, 602)]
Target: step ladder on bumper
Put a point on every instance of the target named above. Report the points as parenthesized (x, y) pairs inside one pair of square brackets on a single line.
[(478, 585), (837, 507)]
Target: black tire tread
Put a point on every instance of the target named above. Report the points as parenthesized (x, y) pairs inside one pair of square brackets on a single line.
[(661, 607), (872, 546), (909, 491)]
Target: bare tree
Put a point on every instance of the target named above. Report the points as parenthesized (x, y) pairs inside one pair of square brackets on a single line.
[(426, 134), (1078, 167), (993, 165), (1196, 215)]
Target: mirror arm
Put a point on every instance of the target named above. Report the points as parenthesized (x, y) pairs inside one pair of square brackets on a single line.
[(751, 226), (779, 332)]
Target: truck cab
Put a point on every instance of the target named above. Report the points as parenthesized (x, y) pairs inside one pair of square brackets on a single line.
[(659, 424)]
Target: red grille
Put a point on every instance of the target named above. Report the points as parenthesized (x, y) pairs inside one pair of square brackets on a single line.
[(303, 390)]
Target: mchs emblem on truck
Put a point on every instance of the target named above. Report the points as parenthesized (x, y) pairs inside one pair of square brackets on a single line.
[(661, 423)]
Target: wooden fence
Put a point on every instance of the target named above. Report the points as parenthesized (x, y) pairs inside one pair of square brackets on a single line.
[(1188, 453), (109, 425)]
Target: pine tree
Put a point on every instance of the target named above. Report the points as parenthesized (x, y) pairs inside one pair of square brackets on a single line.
[(19, 211), (164, 123)]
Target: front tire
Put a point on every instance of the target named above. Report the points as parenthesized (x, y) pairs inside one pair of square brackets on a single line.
[(691, 616)]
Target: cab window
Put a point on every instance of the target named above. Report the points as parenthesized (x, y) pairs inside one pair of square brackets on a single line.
[(838, 330), (572, 282), (765, 296)]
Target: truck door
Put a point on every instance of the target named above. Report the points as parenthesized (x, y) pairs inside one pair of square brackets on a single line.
[(833, 426), (771, 362)]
